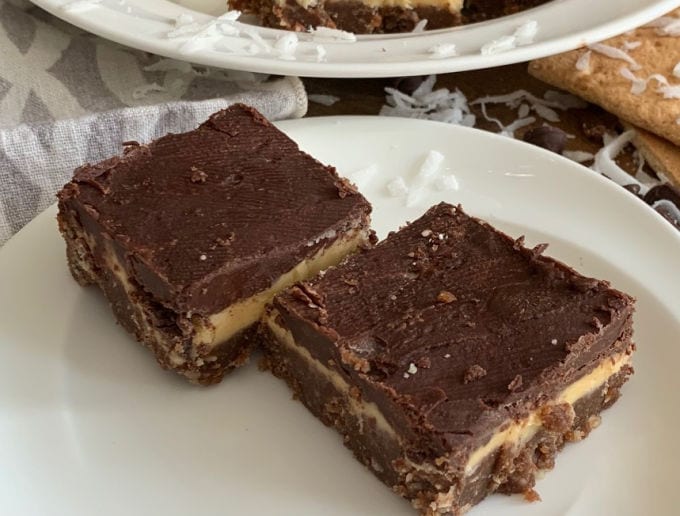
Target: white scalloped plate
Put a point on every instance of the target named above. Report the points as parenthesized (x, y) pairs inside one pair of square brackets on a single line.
[(90, 425), (563, 25)]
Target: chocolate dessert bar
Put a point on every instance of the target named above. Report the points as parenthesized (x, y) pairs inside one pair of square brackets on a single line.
[(454, 361), (190, 236), (376, 16)]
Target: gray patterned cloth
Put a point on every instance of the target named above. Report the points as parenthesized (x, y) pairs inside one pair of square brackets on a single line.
[(68, 97)]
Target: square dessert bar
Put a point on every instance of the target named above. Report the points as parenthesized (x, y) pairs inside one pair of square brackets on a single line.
[(190, 236), (454, 361)]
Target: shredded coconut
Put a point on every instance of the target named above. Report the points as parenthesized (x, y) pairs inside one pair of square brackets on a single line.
[(583, 62), (420, 26), (448, 182), (669, 91), (326, 34), (496, 46), (326, 100), (441, 105), (427, 173), (526, 33), (442, 50), (546, 113), (605, 164), (286, 46), (448, 355), (614, 53), (523, 110), (320, 53), (666, 26), (631, 45), (397, 187), (362, 177), (578, 156), (412, 369)]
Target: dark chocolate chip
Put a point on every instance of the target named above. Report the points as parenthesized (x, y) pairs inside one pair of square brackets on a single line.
[(548, 137), (633, 188), (665, 191), (408, 84)]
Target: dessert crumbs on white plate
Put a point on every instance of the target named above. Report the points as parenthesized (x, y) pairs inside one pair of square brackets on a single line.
[(583, 61), (325, 100), (614, 53), (578, 156), (397, 187), (426, 175), (320, 53), (442, 50), (526, 33), (286, 46), (420, 26)]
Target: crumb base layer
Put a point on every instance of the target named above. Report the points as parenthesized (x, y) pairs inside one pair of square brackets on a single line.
[(431, 489)]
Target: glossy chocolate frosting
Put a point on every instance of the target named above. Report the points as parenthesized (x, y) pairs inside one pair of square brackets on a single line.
[(208, 217), (455, 327)]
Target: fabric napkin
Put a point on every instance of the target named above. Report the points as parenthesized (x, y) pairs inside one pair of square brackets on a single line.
[(68, 97)]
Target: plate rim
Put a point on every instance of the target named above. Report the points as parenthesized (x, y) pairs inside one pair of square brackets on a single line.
[(376, 68)]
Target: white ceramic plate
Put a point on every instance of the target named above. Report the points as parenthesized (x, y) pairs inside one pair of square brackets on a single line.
[(563, 25), (90, 425)]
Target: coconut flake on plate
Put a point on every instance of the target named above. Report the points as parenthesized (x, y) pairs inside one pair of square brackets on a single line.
[(496, 46), (427, 174), (442, 50), (258, 40), (397, 187), (328, 34), (614, 53), (325, 100), (286, 45), (362, 177), (447, 182), (420, 26), (320, 53), (526, 33)]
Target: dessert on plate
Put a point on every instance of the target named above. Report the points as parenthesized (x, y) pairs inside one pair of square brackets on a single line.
[(376, 16), (190, 236), (454, 361)]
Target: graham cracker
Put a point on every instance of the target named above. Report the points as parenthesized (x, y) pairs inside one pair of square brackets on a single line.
[(602, 83), (660, 154)]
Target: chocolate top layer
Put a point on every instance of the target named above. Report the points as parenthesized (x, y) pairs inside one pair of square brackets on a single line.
[(214, 215), (458, 323)]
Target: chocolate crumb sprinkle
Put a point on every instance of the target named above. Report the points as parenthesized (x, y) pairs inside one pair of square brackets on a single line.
[(473, 373)]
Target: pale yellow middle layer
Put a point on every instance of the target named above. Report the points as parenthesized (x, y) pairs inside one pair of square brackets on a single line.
[(515, 434), (238, 316)]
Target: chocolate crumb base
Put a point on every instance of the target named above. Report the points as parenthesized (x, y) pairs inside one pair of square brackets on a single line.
[(359, 18), (433, 493)]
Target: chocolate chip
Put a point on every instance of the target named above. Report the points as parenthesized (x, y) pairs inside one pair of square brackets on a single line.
[(665, 191), (408, 84), (633, 188), (548, 137)]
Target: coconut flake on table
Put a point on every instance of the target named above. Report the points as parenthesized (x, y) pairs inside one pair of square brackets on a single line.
[(614, 53), (606, 165), (666, 26), (510, 129), (441, 105), (420, 26), (523, 110), (397, 187), (325, 100), (286, 45), (578, 156), (427, 174), (631, 45), (583, 62), (81, 5), (442, 50), (326, 34)]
